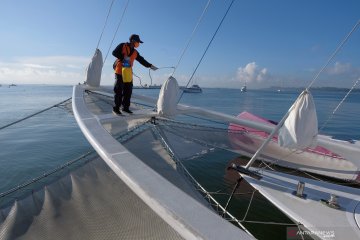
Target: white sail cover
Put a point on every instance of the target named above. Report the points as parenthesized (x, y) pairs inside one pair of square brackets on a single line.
[(93, 74), (301, 126), (168, 98)]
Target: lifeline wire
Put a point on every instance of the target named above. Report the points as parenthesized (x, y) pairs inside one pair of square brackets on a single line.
[(107, 17), (31, 115), (207, 48), (122, 16), (46, 174)]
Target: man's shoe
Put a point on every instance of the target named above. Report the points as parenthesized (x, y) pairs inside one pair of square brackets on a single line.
[(127, 110), (116, 111)]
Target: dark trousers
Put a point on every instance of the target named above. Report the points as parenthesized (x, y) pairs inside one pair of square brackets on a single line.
[(122, 92)]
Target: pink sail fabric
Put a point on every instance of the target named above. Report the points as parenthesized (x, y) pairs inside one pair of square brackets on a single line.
[(250, 116)]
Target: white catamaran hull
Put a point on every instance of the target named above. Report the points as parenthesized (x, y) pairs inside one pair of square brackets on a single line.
[(311, 210), (188, 217)]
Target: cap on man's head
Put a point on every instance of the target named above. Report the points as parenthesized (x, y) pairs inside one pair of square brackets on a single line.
[(135, 38)]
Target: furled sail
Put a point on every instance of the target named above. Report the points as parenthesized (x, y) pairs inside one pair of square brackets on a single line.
[(93, 74), (168, 98), (301, 126)]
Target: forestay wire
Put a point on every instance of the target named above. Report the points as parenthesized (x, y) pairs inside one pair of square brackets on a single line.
[(207, 48), (337, 107), (186, 46), (121, 19), (327, 63), (107, 17), (191, 36), (334, 53)]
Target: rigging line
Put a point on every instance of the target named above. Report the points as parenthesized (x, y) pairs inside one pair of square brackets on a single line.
[(138, 103), (337, 107), (207, 48), (248, 208), (191, 36), (138, 78), (112, 41), (48, 173), (31, 115), (107, 17), (334, 53), (206, 119), (158, 68), (232, 193), (272, 223), (199, 187)]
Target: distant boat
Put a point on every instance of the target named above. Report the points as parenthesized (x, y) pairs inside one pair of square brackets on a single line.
[(281, 87), (193, 89), (154, 86), (12, 85), (243, 89), (148, 87)]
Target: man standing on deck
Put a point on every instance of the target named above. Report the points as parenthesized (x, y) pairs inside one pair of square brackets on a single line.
[(126, 54)]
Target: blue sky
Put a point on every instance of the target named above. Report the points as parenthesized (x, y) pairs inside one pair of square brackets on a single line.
[(263, 42)]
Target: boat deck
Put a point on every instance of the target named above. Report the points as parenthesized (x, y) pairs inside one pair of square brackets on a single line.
[(148, 174)]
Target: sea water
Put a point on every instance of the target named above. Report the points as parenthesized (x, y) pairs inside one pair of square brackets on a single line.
[(40, 143), (51, 138)]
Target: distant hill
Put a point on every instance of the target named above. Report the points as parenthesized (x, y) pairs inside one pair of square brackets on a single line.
[(317, 89)]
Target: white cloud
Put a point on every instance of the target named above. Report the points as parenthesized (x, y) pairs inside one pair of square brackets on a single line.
[(44, 70), (30, 65), (55, 60), (251, 73), (339, 68)]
